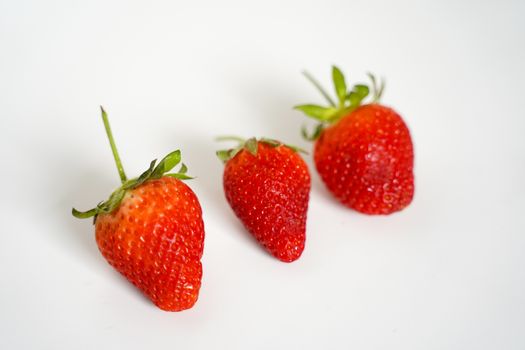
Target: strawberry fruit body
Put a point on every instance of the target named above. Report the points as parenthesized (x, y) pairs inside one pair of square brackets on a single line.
[(151, 231), (267, 184), (363, 152), (155, 239)]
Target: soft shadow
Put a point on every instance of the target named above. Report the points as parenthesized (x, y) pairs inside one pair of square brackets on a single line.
[(83, 189), (320, 188)]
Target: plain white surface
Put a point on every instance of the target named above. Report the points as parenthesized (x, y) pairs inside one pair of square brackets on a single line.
[(447, 273)]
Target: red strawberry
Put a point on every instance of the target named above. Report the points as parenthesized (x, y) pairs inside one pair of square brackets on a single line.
[(267, 184), (363, 153), (151, 231)]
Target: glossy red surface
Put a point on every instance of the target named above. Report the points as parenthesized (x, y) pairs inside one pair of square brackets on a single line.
[(156, 239), (366, 160), (269, 193)]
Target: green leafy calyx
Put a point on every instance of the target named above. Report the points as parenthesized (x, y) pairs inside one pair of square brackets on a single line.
[(251, 145), (347, 101), (153, 172)]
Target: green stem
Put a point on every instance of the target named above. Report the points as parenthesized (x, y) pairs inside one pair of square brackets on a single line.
[(320, 88), (121, 172), (84, 214)]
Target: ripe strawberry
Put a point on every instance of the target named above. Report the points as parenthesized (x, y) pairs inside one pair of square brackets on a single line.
[(267, 184), (363, 153), (151, 231)]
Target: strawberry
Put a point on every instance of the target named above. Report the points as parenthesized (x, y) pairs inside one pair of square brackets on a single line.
[(363, 152), (267, 184), (151, 231)]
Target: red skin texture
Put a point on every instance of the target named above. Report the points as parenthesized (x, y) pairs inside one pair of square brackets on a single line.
[(269, 193), (366, 160), (155, 239)]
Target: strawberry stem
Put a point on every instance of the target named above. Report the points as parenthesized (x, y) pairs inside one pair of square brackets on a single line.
[(319, 87), (121, 172)]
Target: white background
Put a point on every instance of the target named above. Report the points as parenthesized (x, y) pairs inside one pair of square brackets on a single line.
[(446, 273)]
